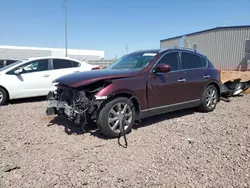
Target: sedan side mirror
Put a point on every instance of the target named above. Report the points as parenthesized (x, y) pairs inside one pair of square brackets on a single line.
[(18, 71), (163, 68)]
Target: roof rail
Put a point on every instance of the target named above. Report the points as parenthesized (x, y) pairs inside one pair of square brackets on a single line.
[(190, 49)]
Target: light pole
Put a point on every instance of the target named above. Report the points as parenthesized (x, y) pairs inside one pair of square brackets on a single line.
[(66, 32)]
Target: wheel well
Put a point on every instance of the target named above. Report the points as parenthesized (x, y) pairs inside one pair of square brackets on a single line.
[(134, 101), (217, 87), (6, 92)]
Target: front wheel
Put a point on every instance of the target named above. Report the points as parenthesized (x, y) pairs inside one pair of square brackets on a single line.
[(112, 116), (209, 99)]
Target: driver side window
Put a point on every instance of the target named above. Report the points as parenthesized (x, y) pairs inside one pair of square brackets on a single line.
[(36, 66), (171, 59), (33, 66)]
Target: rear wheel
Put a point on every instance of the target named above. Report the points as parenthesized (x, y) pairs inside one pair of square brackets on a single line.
[(3, 96), (111, 116), (209, 99)]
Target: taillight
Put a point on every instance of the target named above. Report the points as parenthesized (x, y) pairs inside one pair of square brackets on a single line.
[(219, 71), (95, 68)]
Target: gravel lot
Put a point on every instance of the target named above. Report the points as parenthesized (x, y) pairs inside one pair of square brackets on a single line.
[(181, 149)]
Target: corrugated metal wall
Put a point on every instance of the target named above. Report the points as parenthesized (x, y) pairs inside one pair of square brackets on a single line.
[(224, 47), (170, 43)]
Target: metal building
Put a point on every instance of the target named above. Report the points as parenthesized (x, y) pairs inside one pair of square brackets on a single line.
[(20, 52), (227, 47)]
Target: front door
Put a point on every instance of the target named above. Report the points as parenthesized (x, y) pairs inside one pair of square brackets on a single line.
[(34, 80), (167, 89)]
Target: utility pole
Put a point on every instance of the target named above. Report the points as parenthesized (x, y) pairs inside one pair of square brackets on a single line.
[(127, 49), (66, 25)]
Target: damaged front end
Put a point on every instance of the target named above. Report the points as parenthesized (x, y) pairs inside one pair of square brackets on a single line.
[(77, 104)]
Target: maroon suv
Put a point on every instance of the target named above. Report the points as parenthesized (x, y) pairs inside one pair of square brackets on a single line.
[(137, 85)]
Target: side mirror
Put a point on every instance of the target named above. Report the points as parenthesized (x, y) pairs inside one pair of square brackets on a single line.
[(163, 68), (18, 71)]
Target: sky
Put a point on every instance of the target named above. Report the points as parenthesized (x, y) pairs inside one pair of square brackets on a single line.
[(111, 25)]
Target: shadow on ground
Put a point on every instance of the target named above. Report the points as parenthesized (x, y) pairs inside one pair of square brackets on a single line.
[(72, 128), (28, 100)]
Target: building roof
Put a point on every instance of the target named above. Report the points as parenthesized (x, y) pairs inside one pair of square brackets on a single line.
[(213, 29), (70, 51)]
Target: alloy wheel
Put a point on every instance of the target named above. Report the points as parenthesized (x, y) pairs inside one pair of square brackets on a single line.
[(211, 98), (119, 112), (1, 97)]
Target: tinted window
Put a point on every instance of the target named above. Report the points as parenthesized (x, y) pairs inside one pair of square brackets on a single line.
[(63, 63), (8, 62), (34, 66), (171, 59), (203, 62), (1, 63), (75, 64), (190, 61)]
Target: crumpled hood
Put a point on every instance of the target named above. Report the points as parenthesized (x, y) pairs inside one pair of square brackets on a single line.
[(87, 77)]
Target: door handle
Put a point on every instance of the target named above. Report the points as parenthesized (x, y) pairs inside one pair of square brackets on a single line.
[(182, 80), (206, 76), (46, 75)]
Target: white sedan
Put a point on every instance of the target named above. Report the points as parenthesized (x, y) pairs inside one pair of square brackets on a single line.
[(33, 77)]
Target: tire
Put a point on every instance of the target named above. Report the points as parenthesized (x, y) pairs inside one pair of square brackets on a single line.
[(110, 118), (209, 99), (3, 96)]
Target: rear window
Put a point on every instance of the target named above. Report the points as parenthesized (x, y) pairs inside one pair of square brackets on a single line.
[(191, 61)]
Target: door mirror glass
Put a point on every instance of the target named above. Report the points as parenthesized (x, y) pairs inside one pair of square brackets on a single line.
[(164, 68), (18, 71)]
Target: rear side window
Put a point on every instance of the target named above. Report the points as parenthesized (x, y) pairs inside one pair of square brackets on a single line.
[(171, 59), (192, 61), (203, 62), (1, 63), (75, 64), (64, 63)]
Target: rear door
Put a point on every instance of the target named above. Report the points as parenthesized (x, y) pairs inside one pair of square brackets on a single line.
[(63, 67), (197, 74)]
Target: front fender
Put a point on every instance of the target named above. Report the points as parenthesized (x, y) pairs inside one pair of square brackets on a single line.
[(128, 87)]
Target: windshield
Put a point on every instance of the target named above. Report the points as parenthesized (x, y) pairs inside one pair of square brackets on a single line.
[(133, 61), (10, 65)]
